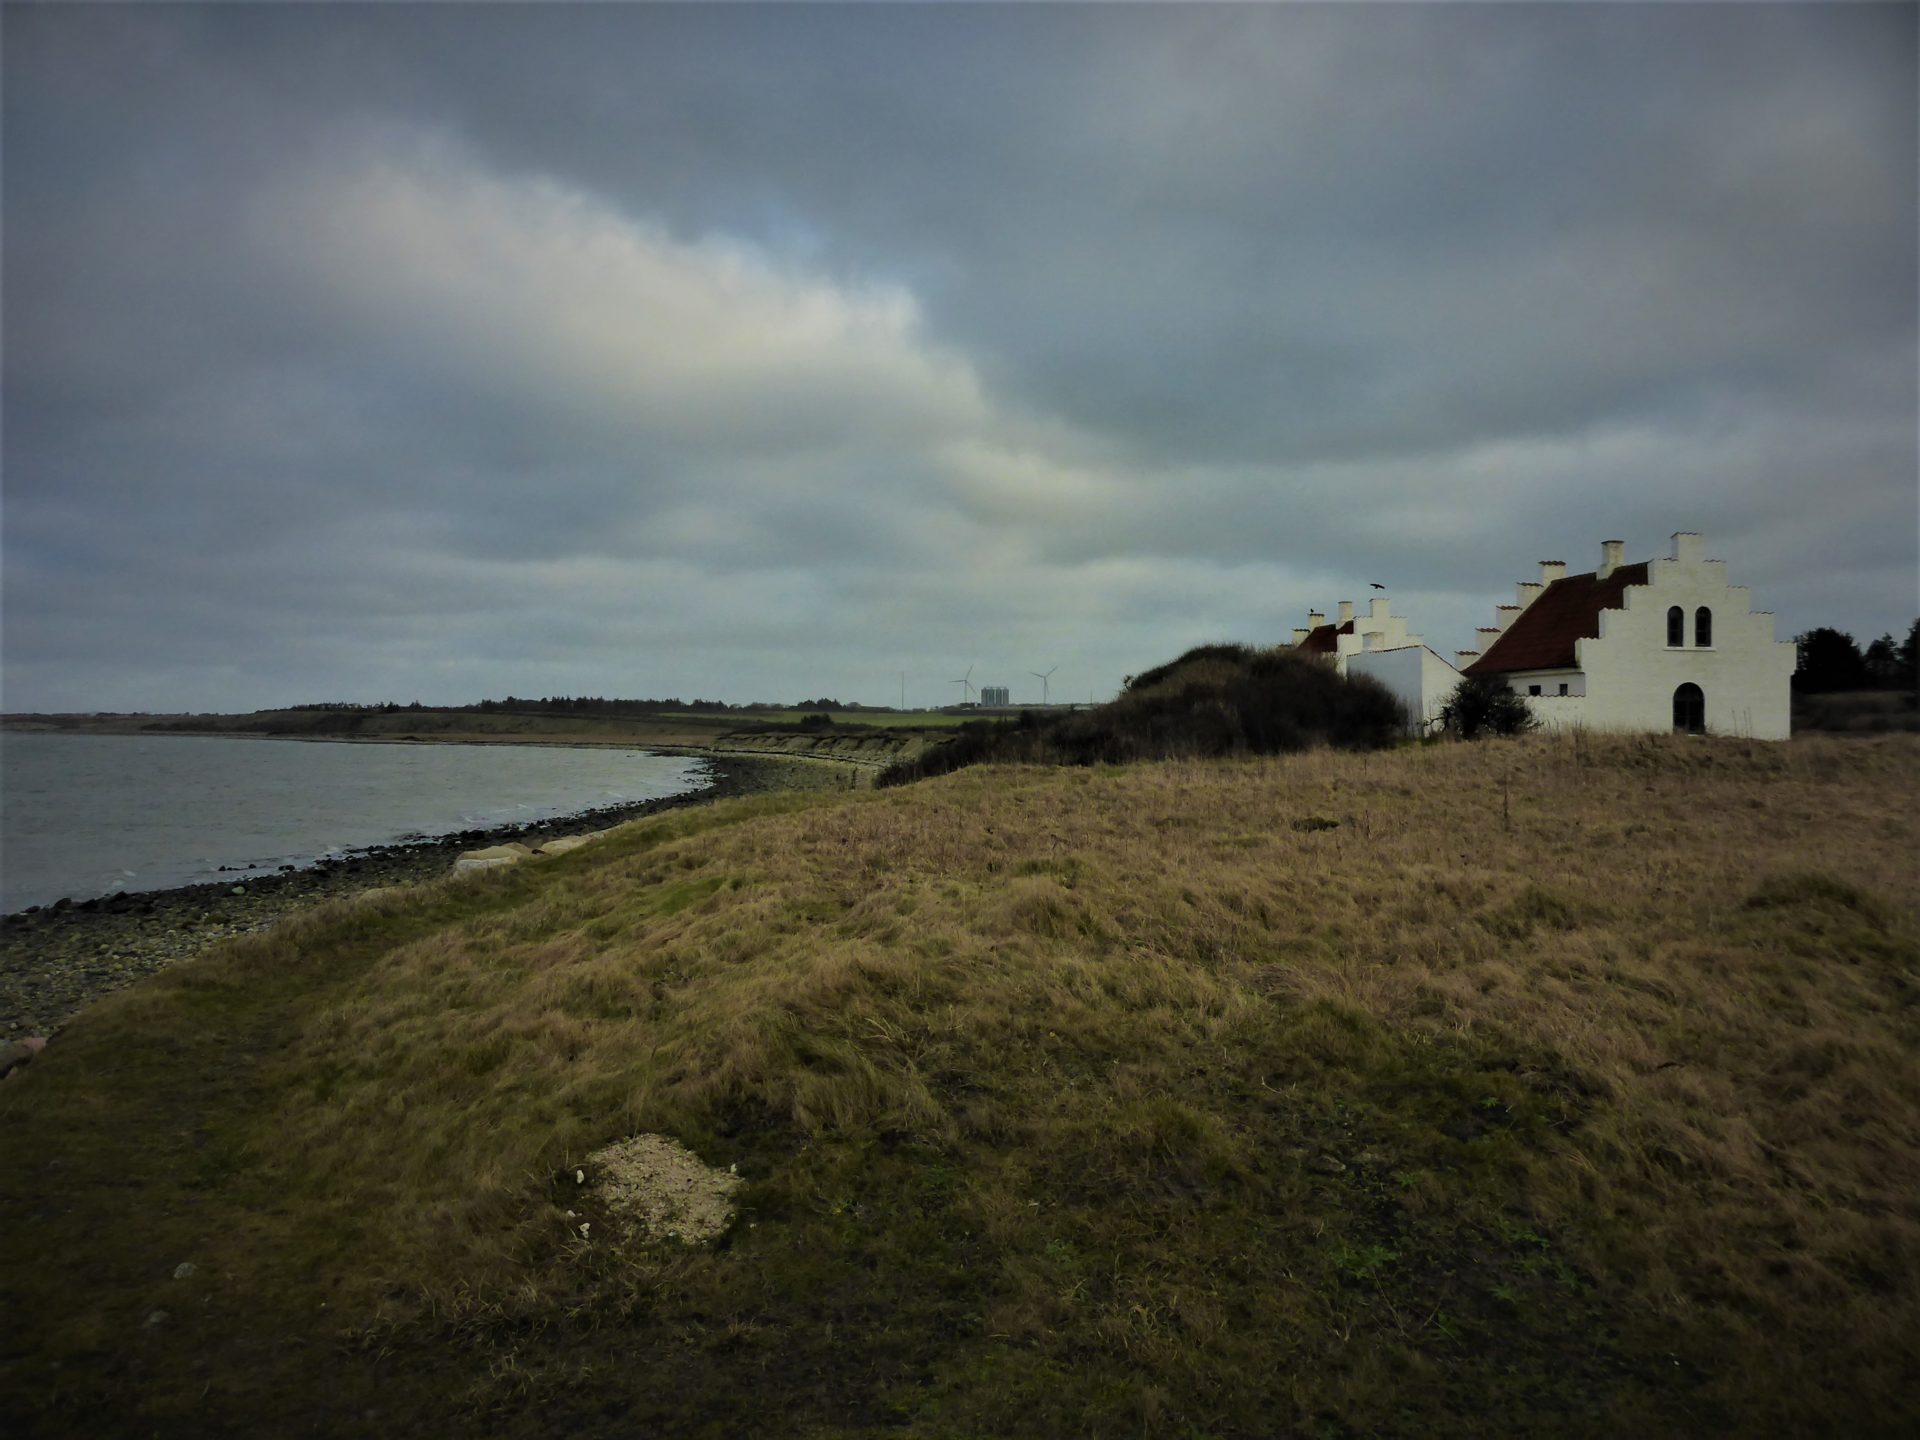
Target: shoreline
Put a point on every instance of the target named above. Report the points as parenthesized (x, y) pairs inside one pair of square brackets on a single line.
[(57, 959), (565, 742)]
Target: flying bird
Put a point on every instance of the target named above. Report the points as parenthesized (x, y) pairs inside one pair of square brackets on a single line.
[(1376, 584)]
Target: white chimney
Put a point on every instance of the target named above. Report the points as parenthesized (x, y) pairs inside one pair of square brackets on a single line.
[(1379, 609), (1465, 658), (1526, 592), (1298, 635), (1689, 545), (1346, 611), (1612, 555), (1315, 619), (1505, 615), (1552, 570)]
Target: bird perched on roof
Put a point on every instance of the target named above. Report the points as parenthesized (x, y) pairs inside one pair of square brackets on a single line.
[(1376, 584)]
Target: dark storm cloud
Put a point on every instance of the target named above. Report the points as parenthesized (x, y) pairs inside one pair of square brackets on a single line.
[(750, 351)]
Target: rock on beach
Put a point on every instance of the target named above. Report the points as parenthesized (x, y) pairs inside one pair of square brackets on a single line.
[(491, 858)]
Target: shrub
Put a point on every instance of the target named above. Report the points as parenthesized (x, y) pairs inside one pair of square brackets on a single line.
[(1215, 700), (1481, 705)]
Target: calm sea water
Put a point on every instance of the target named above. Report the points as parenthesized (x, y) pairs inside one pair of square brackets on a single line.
[(82, 815)]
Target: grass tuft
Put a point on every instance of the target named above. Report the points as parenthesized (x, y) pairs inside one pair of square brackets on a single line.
[(1815, 891)]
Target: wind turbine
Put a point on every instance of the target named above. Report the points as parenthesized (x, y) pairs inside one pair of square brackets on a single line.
[(1043, 682), (965, 682)]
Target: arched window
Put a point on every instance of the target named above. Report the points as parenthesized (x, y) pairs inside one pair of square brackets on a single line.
[(1676, 628), (1689, 710), (1703, 626)]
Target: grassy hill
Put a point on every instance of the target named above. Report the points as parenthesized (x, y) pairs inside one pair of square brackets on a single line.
[(1524, 1088)]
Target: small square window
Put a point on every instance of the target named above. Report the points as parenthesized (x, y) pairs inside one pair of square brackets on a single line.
[(1563, 687), (1533, 689)]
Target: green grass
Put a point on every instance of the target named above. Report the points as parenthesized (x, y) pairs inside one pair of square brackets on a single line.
[(1091, 1102)]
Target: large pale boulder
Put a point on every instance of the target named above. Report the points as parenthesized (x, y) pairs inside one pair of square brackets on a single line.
[(561, 844), (491, 857)]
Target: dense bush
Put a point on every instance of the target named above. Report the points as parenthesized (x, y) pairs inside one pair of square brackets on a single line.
[(1830, 660), (1484, 705), (1215, 700)]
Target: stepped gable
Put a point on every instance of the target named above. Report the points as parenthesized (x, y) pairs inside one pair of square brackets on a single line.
[(1320, 640), (1542, 637)]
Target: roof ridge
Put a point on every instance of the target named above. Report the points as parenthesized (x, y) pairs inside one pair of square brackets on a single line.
[(1545, 635)]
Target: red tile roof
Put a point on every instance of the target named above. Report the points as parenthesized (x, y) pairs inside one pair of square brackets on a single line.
[(1567, 610), (1320, 639)]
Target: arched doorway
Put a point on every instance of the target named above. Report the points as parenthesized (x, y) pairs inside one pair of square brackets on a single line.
[(1689, 710)]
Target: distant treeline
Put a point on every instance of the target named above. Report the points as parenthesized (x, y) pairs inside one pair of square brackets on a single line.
[(1832, 660), (584, 705)]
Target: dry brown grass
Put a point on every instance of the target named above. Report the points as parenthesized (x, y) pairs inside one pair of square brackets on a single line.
[(1553, 1085), (1857, 712)]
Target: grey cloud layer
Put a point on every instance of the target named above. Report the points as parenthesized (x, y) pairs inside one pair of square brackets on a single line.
[(752, 351)]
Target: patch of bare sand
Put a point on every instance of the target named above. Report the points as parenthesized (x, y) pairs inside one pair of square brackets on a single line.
[(664, 1188)]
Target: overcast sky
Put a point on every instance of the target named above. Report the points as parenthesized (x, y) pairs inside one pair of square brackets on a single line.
[(444, 352)]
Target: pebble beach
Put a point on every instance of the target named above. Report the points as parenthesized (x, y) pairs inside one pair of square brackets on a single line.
[(57, 959)]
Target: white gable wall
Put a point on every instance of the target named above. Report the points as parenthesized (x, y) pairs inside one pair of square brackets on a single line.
[(1418, 678), (1629, 673), (1378, 629), (1382, 647)]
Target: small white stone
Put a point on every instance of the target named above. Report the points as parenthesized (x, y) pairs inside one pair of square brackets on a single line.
[(585, 1225), (184, 1269), (579, 1177)]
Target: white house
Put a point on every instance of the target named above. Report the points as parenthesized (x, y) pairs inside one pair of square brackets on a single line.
[(1664, 644), (1379, 645)]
